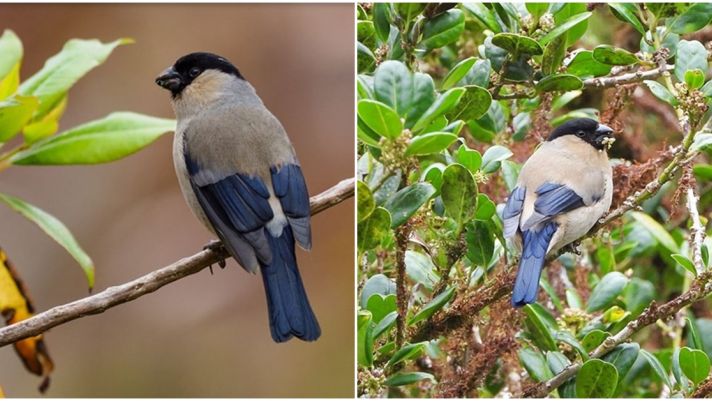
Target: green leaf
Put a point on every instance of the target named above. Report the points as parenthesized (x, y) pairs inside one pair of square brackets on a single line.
[(661, 92), (694, 78), (474, 104), (657, 367), (366, 204), (410, 95), (45, 126), (64, 69), (479, 74), (365, 338), (703, 171), (484, 15), (610, 55), (541, 331), (559, 82), (627, 12), (517, 44), (558, 362), (376, 284), (374, 229), (402, 379), (698, 16), (432, 142), (593, 339), (680, 377), (382, 20), (408, 11), (420, 268), (480, 243), (638, 294), (11, 50), (596, 379), (111, 138), (365, 59), (510, 174), (459, 193), (623, 357), (469, 158), (380, 118), (585, 66), (407, 201), (385, 324), (695, 364), (433, 306), (568, 338), (493, 157), (685, 262), (690, 55), (553, 56), (537, 9), (564, 27), (485, 208), (15, 113), (606, 291), (656, 230), (696, 340), (56, 230), (409, 351), (380, 306), (457, 72), (496, 55), (535, 364), (442, 105), (443, 29)]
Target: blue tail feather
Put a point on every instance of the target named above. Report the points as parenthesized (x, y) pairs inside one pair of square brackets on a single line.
[(535, 245), (289, 311)]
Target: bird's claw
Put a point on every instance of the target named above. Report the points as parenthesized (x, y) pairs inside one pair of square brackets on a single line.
[(215, 246)]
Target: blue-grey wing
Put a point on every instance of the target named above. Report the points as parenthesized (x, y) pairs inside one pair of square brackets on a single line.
[(512, 211), (238, 207), (552, 200), (291, 189)]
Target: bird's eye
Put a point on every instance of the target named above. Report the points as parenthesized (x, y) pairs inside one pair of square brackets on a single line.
[(194, 72), (580, 134)]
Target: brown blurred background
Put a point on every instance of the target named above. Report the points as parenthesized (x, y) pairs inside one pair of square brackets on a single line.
[(205, 335)]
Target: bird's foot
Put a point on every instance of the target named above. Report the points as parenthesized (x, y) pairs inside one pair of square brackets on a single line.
[(573, 248), (217, 247)]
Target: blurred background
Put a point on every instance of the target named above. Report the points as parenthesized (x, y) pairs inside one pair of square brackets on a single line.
[(203, 336)]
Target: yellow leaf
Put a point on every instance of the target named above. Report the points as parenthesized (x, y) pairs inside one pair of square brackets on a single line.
[(9, 84), (15, 305)]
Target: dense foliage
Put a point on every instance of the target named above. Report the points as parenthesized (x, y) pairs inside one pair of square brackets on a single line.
[(452, 99)]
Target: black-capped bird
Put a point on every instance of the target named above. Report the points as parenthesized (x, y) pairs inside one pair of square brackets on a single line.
[(240, 176), (562, 191)]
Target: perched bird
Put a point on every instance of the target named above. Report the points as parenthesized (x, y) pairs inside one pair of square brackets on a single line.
[(562, 190), (240, 176)]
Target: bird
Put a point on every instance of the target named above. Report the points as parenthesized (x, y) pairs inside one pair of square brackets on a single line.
[(241, 178), (561, 192)]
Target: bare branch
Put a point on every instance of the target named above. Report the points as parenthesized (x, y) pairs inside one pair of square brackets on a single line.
[(638, 76), (149, 283), (600, 82)]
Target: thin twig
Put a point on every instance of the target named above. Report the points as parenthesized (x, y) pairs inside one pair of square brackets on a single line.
[(148, 283), (697, 230)]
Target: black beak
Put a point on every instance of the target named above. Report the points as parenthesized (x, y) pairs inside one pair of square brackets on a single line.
[(604, 131), (170, 79)]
